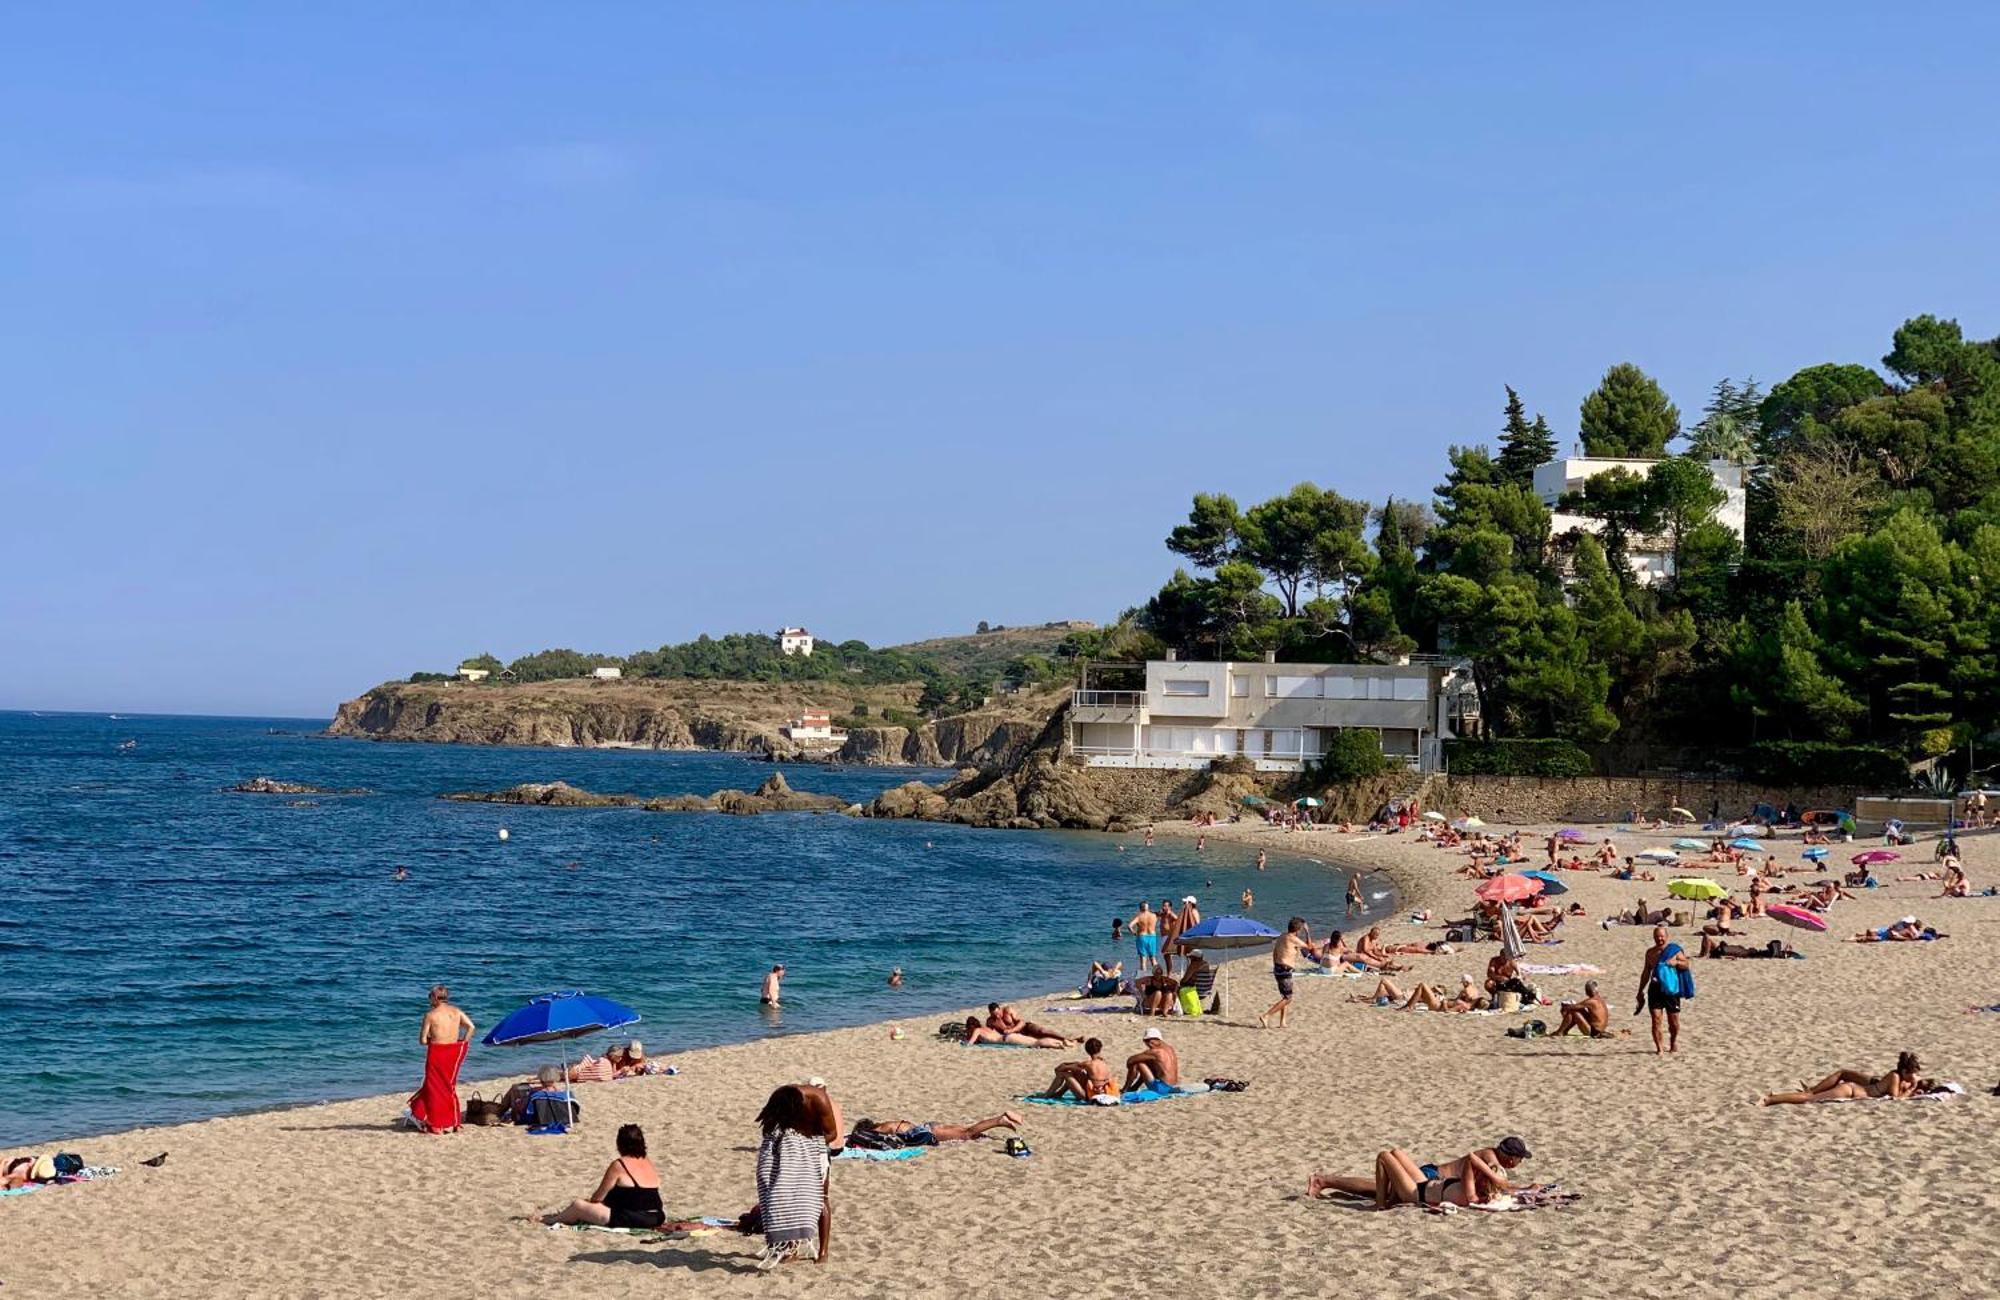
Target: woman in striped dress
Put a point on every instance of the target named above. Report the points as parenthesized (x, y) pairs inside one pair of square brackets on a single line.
[(792, 1164)]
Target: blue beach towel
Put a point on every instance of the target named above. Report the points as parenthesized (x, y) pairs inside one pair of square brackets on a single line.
[(1140, 1096), (1675, 981), (856, 1153)]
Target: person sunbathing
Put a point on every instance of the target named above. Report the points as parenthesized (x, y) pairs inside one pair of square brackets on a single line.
[(1853, 1085), (1155, 1063), (1711, 947), (1506, 1154), (1014, 1033), (1535, 930), (1588, 1014), (897, 1134), (1369, 952), (1104, 981), (1087, 1080), (1907, 930)]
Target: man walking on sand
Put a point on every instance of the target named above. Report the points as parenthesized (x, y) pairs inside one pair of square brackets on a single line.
[(1145, 928), (446, 1035), (1664, 979), (1285, 956)]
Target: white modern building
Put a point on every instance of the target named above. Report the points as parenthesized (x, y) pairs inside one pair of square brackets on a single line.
[(607, 673), (466, 674), (814, 727), (795, 641), (1651, 558), (1280, 716)]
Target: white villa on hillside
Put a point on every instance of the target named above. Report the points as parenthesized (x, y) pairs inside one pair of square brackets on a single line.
[(1651, 559), (466, 674), (607, 673), (1280, 716), (795, 641), (814, 727)]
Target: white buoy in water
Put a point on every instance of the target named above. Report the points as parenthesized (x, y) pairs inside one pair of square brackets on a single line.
[(503, 832)]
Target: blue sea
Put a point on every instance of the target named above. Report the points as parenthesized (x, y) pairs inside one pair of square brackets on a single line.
[(171, 951)]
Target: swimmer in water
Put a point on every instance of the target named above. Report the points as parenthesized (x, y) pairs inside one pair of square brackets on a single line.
[(402, 873), (1200, 843), (896, 978), (1354, 899), (1249, 899), (1262, 858)]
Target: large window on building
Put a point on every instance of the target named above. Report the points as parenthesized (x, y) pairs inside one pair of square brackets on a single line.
[(1298, 688), (1410, 688), (1239, 688), (1185, 687)]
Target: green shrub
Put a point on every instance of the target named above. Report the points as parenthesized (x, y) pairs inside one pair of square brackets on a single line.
[(1558, 758), (1351, 756), (1819, 762)]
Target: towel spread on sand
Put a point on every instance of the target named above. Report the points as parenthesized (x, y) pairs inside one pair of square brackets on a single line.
[(901, 1153), (1564, 968), (435, 1105), (1136, 1097)]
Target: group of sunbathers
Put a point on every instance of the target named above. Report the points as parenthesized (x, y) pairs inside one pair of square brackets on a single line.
[(1092, 1079), (1004, 1025), (1475, 1178)]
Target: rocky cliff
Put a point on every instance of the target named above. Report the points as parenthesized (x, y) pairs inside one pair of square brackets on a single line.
[(740, 717), (774, 795)]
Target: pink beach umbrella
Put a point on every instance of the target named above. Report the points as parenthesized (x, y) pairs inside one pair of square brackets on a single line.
[(1797, 916), (1509, 888), (1873, 856)]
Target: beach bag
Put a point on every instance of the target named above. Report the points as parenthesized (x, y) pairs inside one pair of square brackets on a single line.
[(1219, 1084), (952, 1031), (546, 1108), (1190, 999), (484, 1113)]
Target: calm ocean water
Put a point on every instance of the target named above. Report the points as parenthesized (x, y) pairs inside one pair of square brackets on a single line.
[(170, 951)]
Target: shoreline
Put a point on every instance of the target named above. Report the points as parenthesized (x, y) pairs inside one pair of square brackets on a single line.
[(1205, 1193)]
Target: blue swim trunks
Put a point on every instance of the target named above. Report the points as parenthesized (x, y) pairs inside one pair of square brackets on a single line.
[(1149, 944)]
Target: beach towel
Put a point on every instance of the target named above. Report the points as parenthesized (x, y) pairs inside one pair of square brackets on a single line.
[(1540, 1196), (435, 1105), (901, 1153), (791, 1186), (1136, 1097), (1565, 968)]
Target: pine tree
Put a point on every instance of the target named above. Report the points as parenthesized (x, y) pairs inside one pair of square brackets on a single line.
[(1628, 416), (1523, 445)]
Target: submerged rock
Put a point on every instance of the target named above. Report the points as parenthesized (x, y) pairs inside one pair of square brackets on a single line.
[(271, 785)]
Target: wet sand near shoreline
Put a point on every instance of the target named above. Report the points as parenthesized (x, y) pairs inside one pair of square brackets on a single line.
[(1686, 1184)]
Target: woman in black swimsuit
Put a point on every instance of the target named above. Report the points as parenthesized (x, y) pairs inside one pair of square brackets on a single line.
[(628, 1196)]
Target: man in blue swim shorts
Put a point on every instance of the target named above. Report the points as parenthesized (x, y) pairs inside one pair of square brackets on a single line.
[(1145, 928)]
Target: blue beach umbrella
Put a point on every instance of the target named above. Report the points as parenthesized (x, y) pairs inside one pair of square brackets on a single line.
[(1815, 854), (1747, 844), (553, 1017), (1225, 932), (1550, 883), (1689, 843)]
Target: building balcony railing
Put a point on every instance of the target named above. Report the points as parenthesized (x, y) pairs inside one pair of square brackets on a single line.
[(1109, 699)]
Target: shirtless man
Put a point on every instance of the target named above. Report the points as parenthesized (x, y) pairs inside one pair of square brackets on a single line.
[(768, 996), (1262, 859), (1354, 899), (1170, 926), (444, 1023), (1086, 1080), (1589, 1014), (1503, 976), (1145, 929), (1369, 952), (1155, 1063), (1286, 954), (1004, 1025), (1190, 915)]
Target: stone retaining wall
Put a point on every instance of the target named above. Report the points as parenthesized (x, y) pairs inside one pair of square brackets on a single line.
[(1523, 799)]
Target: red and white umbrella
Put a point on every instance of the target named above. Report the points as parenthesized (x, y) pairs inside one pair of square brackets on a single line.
[(1797, 916)]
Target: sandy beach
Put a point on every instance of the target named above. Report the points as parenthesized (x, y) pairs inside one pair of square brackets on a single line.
[(1688, 1187)]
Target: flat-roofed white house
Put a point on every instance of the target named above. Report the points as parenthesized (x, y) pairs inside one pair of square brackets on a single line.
[(466, 674), (1279, 716), (1651, 558), (814, 727), (607, 673), (795, 641)]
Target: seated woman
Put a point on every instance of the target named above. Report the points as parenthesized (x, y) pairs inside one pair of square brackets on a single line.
[(1955, 883), (1853, 1085), (1104, 981), (896, 1134), (628, 1196)]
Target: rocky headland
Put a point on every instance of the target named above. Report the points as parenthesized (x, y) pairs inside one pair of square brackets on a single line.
[(734, 717)]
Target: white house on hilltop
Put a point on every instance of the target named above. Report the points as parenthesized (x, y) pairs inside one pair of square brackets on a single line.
[(1651, 558), (607, 673), (795, 641)]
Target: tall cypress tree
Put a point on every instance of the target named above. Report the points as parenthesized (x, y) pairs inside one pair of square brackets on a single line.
[(1523, 445)]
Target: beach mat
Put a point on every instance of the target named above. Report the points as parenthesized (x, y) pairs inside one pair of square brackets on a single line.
[(1127, 1099), (902, 1153)]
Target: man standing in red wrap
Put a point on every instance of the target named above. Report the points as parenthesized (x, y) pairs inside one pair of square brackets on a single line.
[(447, 1037)]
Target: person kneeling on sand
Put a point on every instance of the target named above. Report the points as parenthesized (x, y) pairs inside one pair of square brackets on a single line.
[(1472, 1179), (1087, 1080), (1155, 1063), (1853, 1085), (896, 1134), (628, 1196), (1589, 1014)]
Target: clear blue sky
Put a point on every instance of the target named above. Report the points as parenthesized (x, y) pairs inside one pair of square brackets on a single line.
[(338, 344)]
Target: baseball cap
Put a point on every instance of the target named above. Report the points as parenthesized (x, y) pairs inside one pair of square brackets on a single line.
[(1513, 1147), (1150, 1035)]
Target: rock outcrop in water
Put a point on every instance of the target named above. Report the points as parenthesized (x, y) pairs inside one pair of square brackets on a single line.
[(271, 785), (737, 717), (774, 795)]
